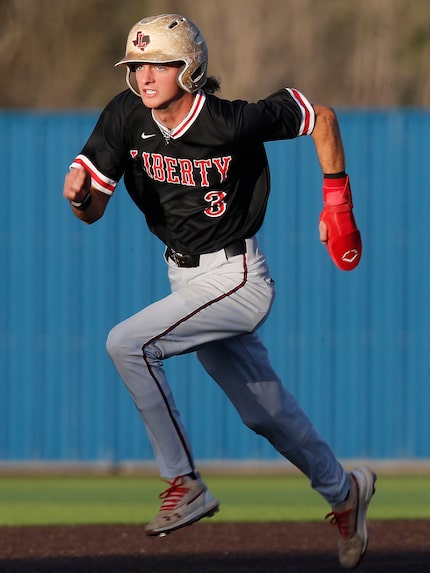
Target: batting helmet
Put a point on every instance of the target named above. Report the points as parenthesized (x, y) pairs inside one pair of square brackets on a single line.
[(163, 39)]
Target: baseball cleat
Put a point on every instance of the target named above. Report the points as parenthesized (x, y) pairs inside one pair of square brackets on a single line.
[(350, 518), (186, 501)]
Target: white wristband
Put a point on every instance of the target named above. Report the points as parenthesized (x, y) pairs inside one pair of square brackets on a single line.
[(83, 204)]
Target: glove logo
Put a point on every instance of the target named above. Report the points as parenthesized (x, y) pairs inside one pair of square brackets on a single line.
[(350, 256)]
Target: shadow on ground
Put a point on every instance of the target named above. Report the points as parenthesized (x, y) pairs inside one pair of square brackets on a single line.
[(395, 546)]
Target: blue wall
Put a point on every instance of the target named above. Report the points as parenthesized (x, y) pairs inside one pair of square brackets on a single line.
[(351, 346)]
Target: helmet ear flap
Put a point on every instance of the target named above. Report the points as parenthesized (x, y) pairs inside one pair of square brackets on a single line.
[(190, 81), (130, 78), (199, 73)]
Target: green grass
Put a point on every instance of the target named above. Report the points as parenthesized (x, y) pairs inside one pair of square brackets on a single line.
[(124, 499)]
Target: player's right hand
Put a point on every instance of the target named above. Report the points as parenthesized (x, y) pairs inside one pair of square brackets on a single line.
[(77, 185)]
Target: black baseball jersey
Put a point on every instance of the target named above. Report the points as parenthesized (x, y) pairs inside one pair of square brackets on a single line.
[(205, 183)]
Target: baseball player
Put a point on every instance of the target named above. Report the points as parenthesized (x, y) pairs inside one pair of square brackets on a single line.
[(195, 166)]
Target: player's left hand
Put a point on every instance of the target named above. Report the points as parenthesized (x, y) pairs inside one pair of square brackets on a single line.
[(338, 229), (323, 233)]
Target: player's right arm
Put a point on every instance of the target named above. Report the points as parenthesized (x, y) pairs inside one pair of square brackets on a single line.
[(88, 204)]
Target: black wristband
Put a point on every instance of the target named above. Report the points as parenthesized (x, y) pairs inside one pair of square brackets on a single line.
[(335, 175), (84, 204)]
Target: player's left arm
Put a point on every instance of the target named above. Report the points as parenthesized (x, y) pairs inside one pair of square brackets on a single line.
[(338, 229), (328, 141)]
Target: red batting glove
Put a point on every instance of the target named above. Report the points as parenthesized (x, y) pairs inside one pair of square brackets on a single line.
[(344, 241)]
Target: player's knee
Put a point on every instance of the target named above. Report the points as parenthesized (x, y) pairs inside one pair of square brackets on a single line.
[(260, 424), (116, 343), (120, 345), (266, 420)]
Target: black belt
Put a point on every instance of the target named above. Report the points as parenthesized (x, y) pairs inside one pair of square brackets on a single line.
[(190, 261)]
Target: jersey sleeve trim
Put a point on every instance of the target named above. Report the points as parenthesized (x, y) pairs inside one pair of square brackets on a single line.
[(308, 114), (98, 180)]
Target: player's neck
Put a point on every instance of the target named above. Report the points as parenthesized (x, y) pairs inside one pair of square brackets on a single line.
[(175, 111)]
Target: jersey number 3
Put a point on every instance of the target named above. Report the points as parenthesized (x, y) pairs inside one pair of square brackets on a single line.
[(217, 205)]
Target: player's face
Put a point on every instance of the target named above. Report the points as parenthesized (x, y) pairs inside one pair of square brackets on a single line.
[(157, 84)]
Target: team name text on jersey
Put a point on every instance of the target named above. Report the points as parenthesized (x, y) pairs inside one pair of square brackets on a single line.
[(186, 172)]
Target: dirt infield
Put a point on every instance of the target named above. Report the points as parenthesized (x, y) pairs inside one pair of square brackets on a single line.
[(395, 547)]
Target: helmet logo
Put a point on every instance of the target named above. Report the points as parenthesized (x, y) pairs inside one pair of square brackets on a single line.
[(141, 40)]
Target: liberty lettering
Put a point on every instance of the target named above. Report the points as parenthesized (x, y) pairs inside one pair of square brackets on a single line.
[(186, 172)]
